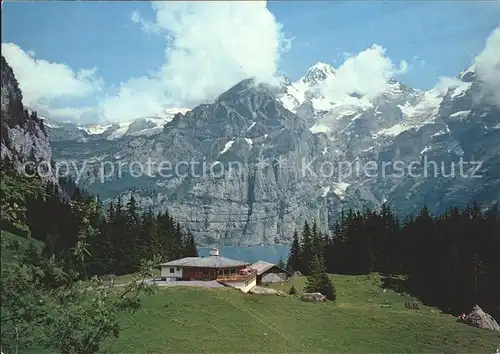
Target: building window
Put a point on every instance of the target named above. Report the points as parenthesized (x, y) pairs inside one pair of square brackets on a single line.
[(172, 270), (234, 270)]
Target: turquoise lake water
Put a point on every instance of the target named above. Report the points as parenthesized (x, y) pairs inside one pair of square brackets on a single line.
[(268, 253)]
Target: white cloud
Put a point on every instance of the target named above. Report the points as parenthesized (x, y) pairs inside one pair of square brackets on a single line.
[(68, 114), (211, 46), (147, 26), (417, 61), (42, 82), (487, 67), (138, 97), (368, 73), (446, 83)]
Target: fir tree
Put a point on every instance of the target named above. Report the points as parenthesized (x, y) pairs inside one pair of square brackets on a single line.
[(294, 261), (318, 280), (190, 249), (307, 249)]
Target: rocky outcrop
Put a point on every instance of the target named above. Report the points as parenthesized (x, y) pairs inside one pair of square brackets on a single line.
[(24, 142), (313, 297), (412, 305), (259, 290), (480, 319)]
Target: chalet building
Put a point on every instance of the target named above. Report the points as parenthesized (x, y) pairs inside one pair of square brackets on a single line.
[(244, 280), (201, 268), (270, 273), (229, 272)]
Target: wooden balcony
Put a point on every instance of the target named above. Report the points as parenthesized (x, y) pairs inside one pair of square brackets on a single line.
[(237, 277)]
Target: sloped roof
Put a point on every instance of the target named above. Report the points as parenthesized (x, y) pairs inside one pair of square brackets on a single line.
[(207, 262), (261, 266), (274, 278)]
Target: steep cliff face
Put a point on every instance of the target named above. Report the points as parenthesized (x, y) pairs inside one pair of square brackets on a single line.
[(252, 166), (238, 168), (24, 141)]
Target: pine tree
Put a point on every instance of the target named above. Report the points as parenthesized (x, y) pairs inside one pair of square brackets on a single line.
[(132, 227), (176, 242), (317, 241), (145, 237), (117, 236), (190, 249), (318, 280), (307, 248), (294, 261)]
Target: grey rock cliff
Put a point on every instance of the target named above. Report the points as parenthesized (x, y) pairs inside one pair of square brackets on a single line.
[(480, 319), (259, 161), (24, 138)]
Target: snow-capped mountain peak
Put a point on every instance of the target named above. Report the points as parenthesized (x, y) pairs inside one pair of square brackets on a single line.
[(316, 74), (392, 124), (142, 126), (468, 74), (306, 87)]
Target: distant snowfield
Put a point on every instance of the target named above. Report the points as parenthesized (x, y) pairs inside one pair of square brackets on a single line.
[(421, 107), (227, 147), (95, 129), (460, 90), (460, 114), (119, 129), (394, 130), (320, 128), (249, 141), (340, 189), (49, 124)]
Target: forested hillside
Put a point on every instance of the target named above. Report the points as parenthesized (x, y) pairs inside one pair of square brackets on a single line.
[(50, 298), (56, 238), (450, 261)]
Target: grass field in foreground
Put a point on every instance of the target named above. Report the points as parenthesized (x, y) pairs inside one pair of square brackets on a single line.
[(195, 320)]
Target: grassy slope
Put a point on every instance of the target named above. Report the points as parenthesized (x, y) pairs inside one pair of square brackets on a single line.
[(23, 243), (124, 279), (190, 320)]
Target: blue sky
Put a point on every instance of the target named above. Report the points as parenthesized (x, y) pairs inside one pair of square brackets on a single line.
[(446, 34), (435, 39)]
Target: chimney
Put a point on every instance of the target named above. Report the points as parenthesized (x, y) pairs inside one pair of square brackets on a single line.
[(214, 252)]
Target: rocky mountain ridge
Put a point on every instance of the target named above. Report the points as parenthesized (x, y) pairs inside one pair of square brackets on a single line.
[(24, 142), (144, 126), (283, 139)]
